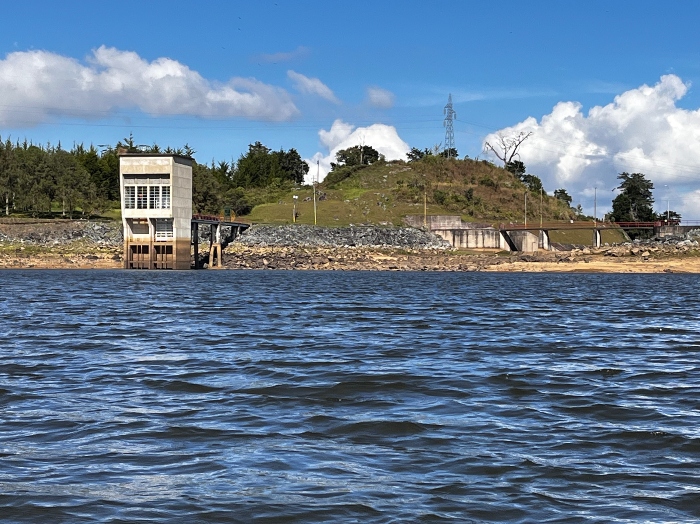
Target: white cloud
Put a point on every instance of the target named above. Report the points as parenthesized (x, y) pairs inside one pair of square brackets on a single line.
[(641, 131), (273, 58), (312, 86), (379, 97), (342, 135), (38, 85)]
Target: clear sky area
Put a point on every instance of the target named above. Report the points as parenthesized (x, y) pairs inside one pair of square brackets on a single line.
[(604, 86)]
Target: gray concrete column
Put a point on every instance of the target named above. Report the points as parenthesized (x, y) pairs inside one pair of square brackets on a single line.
[(596, 238)]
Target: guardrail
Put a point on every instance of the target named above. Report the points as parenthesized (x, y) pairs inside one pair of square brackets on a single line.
[(218, 218), (581, 224)]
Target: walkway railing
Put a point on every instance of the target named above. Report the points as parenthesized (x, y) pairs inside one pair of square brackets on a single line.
[(218, 218), (589, 224)]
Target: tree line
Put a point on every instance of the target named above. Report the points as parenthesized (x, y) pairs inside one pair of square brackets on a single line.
[(39, 179), (34, 179)]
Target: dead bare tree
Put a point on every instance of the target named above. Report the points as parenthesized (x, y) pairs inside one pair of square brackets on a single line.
[(507, 147)]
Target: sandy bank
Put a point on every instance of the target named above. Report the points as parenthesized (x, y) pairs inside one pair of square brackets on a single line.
[(86, 245), (357, 260)]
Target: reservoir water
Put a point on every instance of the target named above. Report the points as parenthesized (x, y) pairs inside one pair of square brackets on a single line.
[(235, 396)]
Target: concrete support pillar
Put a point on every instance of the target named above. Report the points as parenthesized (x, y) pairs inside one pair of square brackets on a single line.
[(596, 238), (506, 243), (127, 253), (215, 246), (195, 243), (544, 242)]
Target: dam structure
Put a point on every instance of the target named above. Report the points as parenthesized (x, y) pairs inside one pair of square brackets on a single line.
[(531, 238)]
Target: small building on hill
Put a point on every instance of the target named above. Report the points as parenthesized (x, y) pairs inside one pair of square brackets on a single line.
[(156, 204)]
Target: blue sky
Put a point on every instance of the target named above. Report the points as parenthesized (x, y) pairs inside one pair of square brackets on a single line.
[(221, 75)]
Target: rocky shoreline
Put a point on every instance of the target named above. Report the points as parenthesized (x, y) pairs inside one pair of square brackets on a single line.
[(85, 244)]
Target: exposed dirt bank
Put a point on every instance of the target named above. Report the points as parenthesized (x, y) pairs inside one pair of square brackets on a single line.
[(348, 259), (83, 245)]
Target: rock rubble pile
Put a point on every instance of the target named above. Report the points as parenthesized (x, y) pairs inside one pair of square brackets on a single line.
[(352, 258), (61, 232), (347, 237)]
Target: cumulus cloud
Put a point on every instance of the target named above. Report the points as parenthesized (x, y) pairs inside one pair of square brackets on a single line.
[(312, 86), (641, 131), (380, 98), (38, 85), (342, 135)]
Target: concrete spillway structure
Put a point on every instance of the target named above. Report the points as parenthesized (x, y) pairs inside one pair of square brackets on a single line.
[(468, 235), (156, 204)]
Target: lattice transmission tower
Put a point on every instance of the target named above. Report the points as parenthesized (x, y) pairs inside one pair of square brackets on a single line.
[(449, 130)]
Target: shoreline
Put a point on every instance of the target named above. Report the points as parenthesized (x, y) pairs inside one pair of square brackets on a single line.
[(79, 244), (237, 257)]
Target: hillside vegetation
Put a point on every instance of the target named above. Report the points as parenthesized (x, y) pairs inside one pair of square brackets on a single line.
[(49, 181), (385, 192)]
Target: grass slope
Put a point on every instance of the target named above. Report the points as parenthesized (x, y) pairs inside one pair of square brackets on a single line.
[(387, 191)]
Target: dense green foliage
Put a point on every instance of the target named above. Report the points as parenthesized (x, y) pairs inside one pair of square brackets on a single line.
[(355, 156), (416, 154), (33, 179), (256, 176), (37, 180), (532, 183), (261, 167), (635, 201), (449, 153), (516, 167), (562, 195)]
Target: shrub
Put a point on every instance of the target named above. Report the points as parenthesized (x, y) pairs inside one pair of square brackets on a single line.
[(487, 181), (440, 197), (339, 174)]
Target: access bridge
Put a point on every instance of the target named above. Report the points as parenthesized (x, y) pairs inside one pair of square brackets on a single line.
[(222, 229)]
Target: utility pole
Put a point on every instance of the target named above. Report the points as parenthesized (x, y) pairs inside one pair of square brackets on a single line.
[(316, 180), (668, 207), (526, 208), (362, 148), (541, 198), (449, 130), (595, 205)]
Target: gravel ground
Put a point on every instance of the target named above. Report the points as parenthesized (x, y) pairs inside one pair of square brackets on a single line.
[(353, 236), (61, 232)]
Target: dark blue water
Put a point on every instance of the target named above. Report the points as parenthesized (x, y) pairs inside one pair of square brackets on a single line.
[(224, 396)]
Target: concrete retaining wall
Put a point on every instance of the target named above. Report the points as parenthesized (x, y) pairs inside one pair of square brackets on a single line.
[(674, 231), (524, 241), (470, 235), (472, 238), (491, 238)]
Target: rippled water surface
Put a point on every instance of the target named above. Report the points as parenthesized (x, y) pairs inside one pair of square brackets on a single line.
[(225, 396)]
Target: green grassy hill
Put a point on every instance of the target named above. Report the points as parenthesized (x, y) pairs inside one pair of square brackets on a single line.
[(385, 192)]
